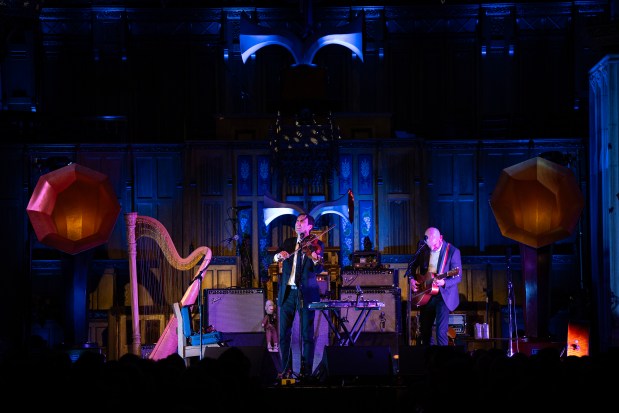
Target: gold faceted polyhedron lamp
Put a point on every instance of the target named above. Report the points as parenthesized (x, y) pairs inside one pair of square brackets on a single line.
[(537, 202)]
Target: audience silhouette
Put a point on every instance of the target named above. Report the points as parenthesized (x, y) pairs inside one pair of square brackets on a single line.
[(482, 381)]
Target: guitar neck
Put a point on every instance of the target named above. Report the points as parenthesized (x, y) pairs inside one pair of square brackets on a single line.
[(451, 273)]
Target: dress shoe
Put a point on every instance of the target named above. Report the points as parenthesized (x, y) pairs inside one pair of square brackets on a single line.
[(285, 375)]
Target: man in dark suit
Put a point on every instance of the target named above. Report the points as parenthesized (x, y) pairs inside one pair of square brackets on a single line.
[(439, 264), (297, 289)]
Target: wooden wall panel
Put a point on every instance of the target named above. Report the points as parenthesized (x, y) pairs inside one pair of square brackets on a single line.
[(453, 196), (223, 275), (113, 164), (491, 163), (402, 202), (212, 229), (159, 190), (400, 227), (398, 176), (208, 197)]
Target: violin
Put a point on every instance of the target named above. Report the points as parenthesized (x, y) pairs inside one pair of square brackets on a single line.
[(311, 243)]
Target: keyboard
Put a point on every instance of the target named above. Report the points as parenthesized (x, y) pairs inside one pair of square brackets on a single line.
[(333, 304)]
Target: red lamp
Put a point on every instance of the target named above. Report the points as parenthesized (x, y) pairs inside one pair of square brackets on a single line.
[(73, 209)]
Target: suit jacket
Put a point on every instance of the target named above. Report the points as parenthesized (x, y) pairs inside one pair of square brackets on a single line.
[(448, 259), (307, 283)]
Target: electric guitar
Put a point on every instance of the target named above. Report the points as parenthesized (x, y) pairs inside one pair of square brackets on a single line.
[(427, 288)]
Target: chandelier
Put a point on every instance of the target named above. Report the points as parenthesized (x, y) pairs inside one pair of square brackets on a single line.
[(304, 147)]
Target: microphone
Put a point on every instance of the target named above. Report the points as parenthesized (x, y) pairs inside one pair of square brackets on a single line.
[(359, 295), (198, 276), (422, 242), (242, 208), (234, 238), (420, 246)]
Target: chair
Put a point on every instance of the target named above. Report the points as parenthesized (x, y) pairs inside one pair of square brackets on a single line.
[(186, 339)]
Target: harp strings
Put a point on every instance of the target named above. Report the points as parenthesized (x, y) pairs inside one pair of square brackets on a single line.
[(160, 284)]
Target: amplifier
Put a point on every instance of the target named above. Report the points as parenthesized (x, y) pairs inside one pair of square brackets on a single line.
[(366, 259), (377, 278), (384, 320), (235, 310), (457, 321)]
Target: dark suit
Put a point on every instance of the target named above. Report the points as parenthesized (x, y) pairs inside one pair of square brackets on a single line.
[(288, 302), (446, 301)]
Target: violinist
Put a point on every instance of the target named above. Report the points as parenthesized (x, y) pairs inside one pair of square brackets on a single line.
[(301, 258)]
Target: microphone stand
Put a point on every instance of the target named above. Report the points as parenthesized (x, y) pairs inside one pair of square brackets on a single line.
[(199, 277), (510, 294), (409, 308), (410, 264), (301, 325)]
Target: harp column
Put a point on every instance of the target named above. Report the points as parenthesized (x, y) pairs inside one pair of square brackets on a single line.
[(136, 343)]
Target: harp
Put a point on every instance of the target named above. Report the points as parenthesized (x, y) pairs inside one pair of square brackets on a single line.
[(139, 226)]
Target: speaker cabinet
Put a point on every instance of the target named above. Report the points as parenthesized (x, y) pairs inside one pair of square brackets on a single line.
[(264, 364), (384, 320), (412, 361), (358, 364), (415, 362), (235, 310), (390, 340)]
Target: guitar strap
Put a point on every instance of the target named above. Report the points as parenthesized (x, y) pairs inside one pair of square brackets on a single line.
[(444, 260)]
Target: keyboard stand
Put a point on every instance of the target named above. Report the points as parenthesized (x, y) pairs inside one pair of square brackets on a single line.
[(346, 337)]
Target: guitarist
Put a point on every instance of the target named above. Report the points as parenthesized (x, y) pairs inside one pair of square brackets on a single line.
[(437, 257)]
